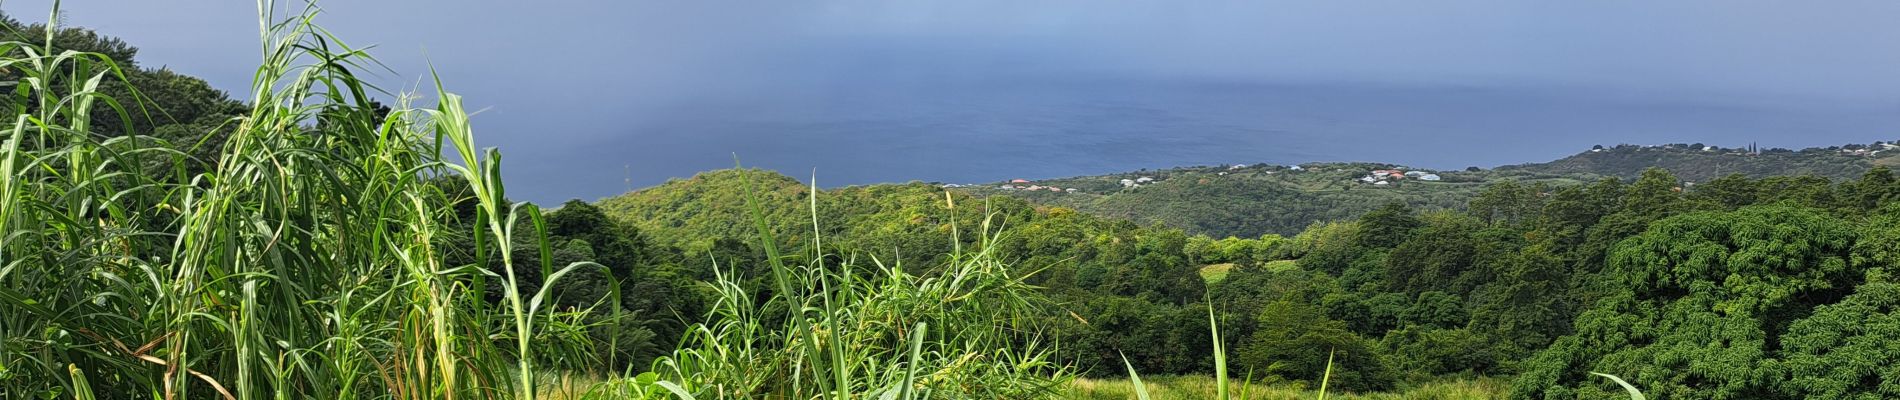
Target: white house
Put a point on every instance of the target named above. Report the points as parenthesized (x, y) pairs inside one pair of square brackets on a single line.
[(1296, 168), (1429, 177), (1144, 180), (1128, 182), (1382, 183)]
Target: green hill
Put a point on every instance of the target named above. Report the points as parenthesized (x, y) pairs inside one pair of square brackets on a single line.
[(1701, 163), (687, 213), (1251, 200), (908, 220), (1248, 201)]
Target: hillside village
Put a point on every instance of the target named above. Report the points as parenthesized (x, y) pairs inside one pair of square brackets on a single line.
[(1370, 174), (1622, 160), (1698, 162), (1382, 177), (1115, 182), (1865, 150), (1255, 198)]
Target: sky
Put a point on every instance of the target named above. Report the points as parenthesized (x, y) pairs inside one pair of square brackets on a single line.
[(589, 98)]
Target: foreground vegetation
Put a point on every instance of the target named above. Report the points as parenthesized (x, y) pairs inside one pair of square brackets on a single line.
[(314, 242), (294, 248)]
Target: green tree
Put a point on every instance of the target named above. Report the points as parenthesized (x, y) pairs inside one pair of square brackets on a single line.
[(1846, 350), (1428, 352), (1698, 303), (1293, 340), (1442, 256), (1386, 226)]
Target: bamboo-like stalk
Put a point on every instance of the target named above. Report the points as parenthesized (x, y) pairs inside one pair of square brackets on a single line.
[(304, 260)]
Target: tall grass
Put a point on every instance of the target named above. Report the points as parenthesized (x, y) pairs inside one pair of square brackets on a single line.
[(837, 327), (305, 261)]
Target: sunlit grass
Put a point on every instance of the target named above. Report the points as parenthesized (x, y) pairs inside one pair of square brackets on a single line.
[(1216, 272)]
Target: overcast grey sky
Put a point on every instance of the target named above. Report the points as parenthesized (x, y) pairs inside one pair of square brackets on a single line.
[(612, 79)]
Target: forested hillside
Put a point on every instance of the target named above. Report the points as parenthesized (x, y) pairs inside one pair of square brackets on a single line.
[(1697, 162), (1251, 200)]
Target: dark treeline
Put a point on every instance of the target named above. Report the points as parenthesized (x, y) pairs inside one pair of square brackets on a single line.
[(183, 111)]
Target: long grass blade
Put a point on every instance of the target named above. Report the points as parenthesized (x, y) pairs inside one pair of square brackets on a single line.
[(1328, 376), (1634, 393), (1141, 390), (916, 355), (1220, 354)]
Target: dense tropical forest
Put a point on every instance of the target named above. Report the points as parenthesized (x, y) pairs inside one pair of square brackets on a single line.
[(163, 239), (1541, 283)]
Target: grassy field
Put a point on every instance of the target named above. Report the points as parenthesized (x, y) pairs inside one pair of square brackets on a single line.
[(1216, 272), (1202, 387)]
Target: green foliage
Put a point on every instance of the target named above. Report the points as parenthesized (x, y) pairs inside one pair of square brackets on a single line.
[(852, 330), (1405, 296), (1266, 199), (1244, 203), (691, 213), (1428, 352), (1287, 339), (298, 259), (182, 111), (1696, 164), (1700, 304), (1845, 350)]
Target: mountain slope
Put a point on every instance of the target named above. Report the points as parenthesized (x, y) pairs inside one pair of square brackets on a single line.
[(1702, 163), (894, 219), (1250, 200)]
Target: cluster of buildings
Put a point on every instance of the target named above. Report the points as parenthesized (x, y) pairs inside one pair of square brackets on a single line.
[(1025, 184), (1870, 151), (1387, 176), (1137, 182)]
